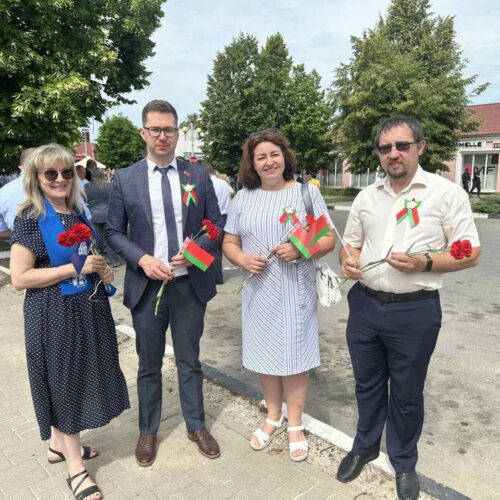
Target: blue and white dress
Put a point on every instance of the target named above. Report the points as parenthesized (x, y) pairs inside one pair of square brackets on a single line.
[(279, 319)]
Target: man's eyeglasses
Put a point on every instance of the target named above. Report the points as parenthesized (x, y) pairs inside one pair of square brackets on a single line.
[(260, 132), (385, 149), (156, 131), (52, 174)]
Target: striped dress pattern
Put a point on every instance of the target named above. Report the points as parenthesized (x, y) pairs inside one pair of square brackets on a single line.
[(279, 311)]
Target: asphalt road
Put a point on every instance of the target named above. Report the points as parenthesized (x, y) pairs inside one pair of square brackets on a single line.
[(461, 435)]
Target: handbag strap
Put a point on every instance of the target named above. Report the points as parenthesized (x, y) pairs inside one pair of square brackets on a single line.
[(306, 197)]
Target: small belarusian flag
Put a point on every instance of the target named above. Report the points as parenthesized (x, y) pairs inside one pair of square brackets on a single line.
[(319, 228), (299, 238), (197, 255)]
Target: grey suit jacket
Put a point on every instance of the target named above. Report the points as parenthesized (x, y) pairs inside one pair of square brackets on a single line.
[(98, 200), (129, 229)]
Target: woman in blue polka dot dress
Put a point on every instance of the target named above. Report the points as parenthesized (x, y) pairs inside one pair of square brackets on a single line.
[(71, 346)]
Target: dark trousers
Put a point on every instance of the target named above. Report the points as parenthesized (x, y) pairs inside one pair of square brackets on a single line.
[(113, 257), (184, 313), (219, 278), (476, 184), (391, 343)]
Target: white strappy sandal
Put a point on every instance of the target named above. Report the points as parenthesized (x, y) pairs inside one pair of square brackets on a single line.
[(265, 439), (298, 445)]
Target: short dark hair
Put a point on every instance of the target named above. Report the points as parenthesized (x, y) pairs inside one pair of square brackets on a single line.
[(160, 107), (248, 176), (397, 121)]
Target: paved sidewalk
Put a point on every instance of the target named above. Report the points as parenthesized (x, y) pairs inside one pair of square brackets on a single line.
[(179, 471)]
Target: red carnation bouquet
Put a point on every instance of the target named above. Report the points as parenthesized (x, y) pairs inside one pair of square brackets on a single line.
[(79, 233), (81, 237), (194, 253)]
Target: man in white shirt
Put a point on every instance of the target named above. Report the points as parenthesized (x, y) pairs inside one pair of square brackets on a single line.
[(224, 192), (395, 313), (11, 197)]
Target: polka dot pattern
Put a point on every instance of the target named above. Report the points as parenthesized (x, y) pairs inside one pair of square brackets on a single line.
[(71, 348)]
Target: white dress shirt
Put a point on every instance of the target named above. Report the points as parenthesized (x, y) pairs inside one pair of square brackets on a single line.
[(158, 212), (445, 216), (223, 191)]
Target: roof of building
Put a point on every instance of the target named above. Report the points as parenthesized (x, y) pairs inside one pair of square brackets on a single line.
[(490, 116)]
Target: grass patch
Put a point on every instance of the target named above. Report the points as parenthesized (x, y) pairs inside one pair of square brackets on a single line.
[(333, 195), (4, 245), (488, 204)]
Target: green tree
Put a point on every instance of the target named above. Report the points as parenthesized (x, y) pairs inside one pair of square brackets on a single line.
[(408, 64), (252, 89), (226, 113), (65, 61), (119, 143), (306, 119)]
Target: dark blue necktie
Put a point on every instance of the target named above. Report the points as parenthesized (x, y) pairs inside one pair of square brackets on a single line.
[(168, 206)]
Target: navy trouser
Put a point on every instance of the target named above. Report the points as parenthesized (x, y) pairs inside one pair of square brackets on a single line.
[(391, 342), (181, 309)]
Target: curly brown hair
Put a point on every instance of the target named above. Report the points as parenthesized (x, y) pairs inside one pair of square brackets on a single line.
[(248, 176)]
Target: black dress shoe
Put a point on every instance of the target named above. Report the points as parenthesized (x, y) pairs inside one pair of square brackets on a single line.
[(352, 465), (407, 485)]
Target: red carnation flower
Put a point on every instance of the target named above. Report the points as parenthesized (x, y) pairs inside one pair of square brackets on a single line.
[(81, 233), (466, 248), (456, 250), (309, 220), (66, 239), (211, 228)]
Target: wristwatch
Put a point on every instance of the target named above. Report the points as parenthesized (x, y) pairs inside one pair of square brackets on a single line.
[(428, 265)]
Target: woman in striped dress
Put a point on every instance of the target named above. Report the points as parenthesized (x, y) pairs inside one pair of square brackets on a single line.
[(279, 320)]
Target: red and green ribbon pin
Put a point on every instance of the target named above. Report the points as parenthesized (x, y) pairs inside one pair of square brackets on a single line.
[(289, 213), (189, 194), (410, 212)]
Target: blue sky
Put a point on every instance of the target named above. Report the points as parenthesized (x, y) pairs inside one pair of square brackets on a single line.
[(317, 33)]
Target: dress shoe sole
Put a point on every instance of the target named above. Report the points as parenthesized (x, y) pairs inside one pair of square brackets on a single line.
[(202, 452), (354, 476)]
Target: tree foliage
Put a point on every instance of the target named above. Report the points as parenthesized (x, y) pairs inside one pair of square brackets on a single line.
[(65, 61), (119, 143), (252, 89), (408, 64)]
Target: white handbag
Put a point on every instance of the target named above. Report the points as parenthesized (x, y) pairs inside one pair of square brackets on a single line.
[(327, 285)]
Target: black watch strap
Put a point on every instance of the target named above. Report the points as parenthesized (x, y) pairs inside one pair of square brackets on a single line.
[(428, 265)]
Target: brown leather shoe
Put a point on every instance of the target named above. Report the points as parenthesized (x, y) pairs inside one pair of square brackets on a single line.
[(146, 449), (207, 445)]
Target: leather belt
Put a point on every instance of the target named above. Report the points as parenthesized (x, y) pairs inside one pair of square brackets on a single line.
[(388, 297)]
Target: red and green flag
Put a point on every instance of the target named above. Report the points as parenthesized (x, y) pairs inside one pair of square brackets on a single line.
[(299, 238), (197, 255), (319, 228)]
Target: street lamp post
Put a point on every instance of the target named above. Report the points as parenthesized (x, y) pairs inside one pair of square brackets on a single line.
[(192, 133)]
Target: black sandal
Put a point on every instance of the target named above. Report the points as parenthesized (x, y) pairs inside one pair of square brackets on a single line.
[(87, 491), (87, 450)]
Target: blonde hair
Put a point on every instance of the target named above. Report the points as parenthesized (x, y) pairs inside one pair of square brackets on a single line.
[(43, 156)]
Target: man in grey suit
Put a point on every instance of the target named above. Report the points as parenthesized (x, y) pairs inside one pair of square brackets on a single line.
[(154, 205)]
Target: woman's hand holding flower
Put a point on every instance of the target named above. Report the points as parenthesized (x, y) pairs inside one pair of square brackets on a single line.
[(106, 275), (287, 252), (93, 264), (254, 264)]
